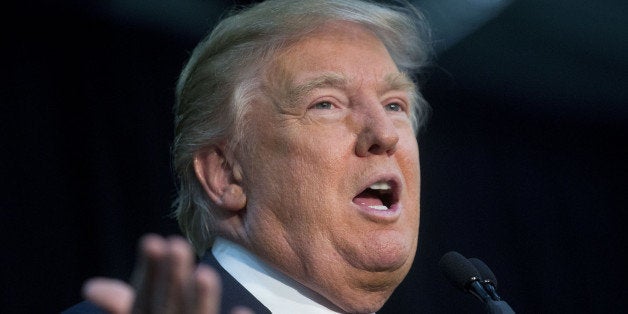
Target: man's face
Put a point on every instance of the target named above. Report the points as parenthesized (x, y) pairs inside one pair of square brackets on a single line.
[(331, 169)]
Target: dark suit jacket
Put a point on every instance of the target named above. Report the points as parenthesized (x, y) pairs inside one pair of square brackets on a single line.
[(233, 294)]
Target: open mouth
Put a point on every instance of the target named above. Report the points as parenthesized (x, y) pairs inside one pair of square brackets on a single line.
[(380, 195)]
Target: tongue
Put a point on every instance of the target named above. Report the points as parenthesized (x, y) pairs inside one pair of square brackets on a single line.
[(367, 199)]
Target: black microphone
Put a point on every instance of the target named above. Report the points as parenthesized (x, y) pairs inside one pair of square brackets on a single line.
[(463, 274), (488, 277)]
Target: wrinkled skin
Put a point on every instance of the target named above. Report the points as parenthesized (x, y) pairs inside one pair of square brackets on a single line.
[(335, 120)]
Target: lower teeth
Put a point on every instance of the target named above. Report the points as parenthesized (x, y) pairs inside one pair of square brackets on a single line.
[(378, 207)]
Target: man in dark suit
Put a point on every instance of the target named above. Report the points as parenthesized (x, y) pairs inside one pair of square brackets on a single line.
[(298, 164)]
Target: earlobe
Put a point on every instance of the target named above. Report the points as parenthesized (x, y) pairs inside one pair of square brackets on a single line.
[(220, 179)]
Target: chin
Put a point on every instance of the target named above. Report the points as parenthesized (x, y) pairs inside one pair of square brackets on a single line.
[(387, 252)]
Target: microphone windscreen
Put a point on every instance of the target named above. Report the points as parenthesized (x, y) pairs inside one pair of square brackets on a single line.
[(485, 272), (458, 270)]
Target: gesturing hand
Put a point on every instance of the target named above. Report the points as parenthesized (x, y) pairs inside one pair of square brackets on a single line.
[(165, 280)]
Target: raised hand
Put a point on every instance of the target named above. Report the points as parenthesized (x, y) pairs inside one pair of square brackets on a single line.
[(165, 280)]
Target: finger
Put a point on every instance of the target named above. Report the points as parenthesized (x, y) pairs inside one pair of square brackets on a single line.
[(174, 281), (208, 290), (152, 251), (114, 296), (241, 310)]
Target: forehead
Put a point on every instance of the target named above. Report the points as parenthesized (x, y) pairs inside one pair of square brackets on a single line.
[(332, 45), (338, 49)]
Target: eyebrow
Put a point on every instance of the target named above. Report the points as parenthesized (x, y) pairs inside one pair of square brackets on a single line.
[(398, 81), (393, 81), (333, 80)]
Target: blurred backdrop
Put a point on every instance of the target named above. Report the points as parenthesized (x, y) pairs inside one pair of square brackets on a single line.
[(524, 159)]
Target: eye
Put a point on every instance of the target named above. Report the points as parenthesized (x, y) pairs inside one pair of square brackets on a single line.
[(393, 106), (322, 105)]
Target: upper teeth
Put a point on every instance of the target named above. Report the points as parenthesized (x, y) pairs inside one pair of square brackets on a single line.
[(380, 186)]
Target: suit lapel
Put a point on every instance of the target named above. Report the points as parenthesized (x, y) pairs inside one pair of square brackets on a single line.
[(233, 293)]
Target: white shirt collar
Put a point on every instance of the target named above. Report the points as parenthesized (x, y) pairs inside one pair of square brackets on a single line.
[(279, 293)]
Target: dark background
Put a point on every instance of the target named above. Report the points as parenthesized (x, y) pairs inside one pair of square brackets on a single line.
[(523, 161)]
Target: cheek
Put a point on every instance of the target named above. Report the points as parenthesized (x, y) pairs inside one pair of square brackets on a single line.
[(315, 153), (286, 172), (409, 159), (410, 168), (299, 182)]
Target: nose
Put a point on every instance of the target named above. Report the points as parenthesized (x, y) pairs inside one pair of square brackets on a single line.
[(378, 134)]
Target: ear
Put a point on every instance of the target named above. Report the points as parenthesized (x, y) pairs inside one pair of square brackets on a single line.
[(220, 178)]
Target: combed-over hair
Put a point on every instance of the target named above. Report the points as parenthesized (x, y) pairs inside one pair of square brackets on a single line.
[(223, 74)]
